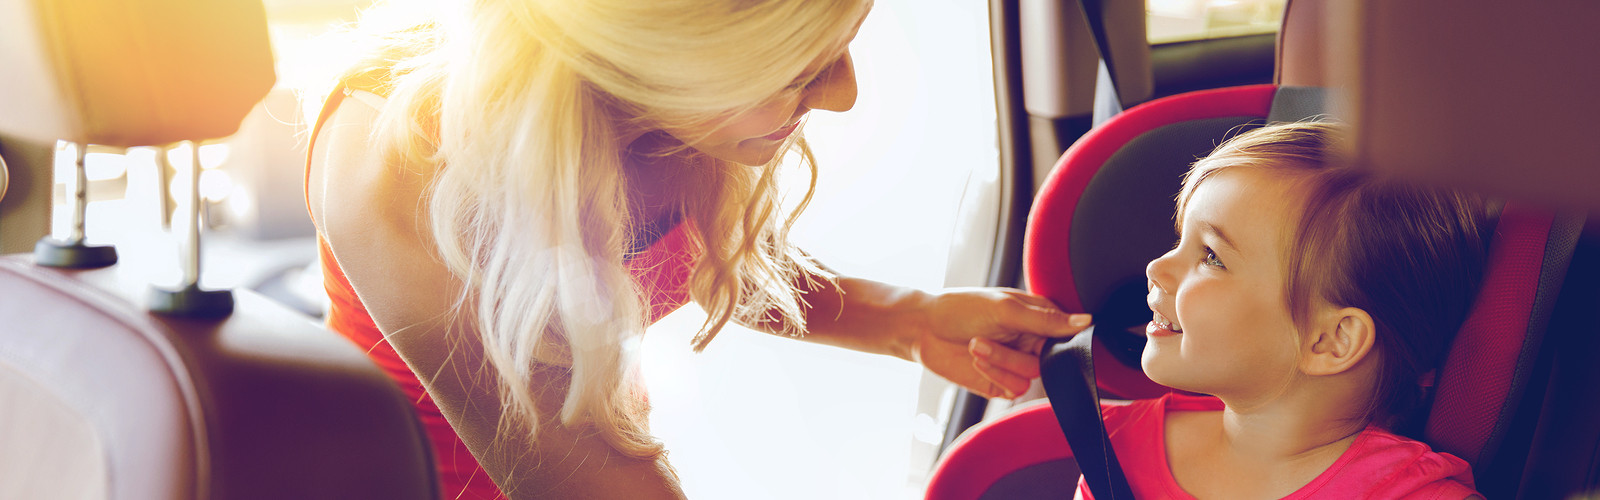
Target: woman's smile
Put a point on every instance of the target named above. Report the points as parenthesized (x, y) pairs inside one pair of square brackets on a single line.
[(783, 133)]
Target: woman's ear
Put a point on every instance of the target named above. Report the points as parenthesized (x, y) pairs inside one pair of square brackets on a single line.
[(1341, 339)]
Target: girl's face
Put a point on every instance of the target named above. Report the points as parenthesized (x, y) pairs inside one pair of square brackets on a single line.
[(1220, 323), (755, 136)]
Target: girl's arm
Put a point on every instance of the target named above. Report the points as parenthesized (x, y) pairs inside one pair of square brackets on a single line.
[(371, 215), (939, 329)]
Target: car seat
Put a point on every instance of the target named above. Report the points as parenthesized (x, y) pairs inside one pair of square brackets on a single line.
[(101, 397), (1106, 211)]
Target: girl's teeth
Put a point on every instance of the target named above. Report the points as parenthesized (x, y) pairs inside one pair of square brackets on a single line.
[(1163, 322)]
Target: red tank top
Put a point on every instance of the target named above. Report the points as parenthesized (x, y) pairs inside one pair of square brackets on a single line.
[(661, 270)]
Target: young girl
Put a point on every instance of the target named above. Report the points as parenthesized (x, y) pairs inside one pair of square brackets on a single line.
[(1311, 300), (509, 192)]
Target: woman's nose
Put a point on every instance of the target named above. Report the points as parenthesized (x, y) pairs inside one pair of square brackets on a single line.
[(835, 89)]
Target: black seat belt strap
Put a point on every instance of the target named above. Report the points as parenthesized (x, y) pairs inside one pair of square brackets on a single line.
[(1067, 372), (1108, 99)]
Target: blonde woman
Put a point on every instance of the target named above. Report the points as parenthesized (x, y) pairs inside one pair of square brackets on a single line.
[(509, 193)]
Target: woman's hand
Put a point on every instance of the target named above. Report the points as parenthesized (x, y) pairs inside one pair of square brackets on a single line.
[(988, 339)]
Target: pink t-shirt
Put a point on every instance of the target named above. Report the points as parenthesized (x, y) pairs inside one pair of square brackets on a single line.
[(1378, 465)]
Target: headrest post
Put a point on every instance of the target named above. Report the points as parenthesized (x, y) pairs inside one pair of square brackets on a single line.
[(72, 253), (164, 178), (190, 256), (80, 193), (189, 300), (5, 178)]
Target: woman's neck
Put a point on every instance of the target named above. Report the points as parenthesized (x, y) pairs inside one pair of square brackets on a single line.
[(655, 175)]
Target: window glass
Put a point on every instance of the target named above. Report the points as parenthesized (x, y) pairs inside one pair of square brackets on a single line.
[(1185, 20)]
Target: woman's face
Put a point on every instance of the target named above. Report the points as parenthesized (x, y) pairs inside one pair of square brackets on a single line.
[(755, 136), (1220, 323)]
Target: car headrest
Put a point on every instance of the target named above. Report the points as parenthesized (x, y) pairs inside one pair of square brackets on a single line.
[(105, 399), (131, 72), (1484, 95), (1302, 55), (1059, 55)]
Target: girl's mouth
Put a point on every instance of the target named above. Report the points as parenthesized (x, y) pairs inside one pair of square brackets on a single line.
[(1160, 326)]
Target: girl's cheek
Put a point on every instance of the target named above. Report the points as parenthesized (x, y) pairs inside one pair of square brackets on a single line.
[(1194, 304)]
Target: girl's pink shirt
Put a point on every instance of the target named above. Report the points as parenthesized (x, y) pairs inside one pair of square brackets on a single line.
[(1378, 465)]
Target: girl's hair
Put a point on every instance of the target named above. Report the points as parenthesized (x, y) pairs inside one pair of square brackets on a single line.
[(1410, 256), (519, 104)]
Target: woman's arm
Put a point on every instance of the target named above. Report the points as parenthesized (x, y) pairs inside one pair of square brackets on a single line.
[(372, 216), (940, 329)]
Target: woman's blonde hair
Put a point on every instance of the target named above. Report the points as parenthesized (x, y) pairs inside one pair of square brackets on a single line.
[(518, 103)]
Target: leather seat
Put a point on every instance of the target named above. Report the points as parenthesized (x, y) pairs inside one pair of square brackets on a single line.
[(103, 398)]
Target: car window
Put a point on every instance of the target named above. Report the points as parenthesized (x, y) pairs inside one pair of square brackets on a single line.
[(1172, 21)]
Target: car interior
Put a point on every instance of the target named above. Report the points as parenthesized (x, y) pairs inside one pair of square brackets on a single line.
[(111, 387), (1099, 216), (115, 389)]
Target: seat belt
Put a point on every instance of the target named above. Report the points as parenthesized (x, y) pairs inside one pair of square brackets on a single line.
[(1107, 98), (1067, 373), (1067, 368)]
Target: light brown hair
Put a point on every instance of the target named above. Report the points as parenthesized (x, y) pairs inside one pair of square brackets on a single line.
[(1410, 256)]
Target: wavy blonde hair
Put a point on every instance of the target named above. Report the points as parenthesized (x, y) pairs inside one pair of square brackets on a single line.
[(517, 104)]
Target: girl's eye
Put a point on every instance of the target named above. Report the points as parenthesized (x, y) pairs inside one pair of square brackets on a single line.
[(1212, 260)]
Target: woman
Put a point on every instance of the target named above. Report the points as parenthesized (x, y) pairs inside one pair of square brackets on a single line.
[(509, 194)]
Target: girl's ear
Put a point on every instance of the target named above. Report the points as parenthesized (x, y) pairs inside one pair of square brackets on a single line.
[(1341, 339)]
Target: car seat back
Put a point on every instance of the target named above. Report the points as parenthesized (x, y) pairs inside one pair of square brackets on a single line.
[(101, 397), (106, 399)]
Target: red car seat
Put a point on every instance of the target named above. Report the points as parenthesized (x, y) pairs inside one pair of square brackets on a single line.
[(1106, 210)]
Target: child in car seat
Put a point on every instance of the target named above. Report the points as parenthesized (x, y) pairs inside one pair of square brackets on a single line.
[(1312, 301)]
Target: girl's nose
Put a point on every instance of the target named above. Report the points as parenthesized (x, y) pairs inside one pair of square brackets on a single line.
[(1160, 274)]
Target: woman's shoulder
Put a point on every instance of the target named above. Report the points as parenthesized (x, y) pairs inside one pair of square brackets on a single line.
[(345, 169), (370, 212), (1381, 464)]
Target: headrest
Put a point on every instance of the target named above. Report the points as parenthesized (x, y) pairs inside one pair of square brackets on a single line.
[(1302, 56), (1059, 55), (131, 72), (1477, 94), (262, 404)]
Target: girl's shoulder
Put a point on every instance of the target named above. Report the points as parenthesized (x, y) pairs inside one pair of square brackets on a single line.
[(1148, 416), (1381, 464)]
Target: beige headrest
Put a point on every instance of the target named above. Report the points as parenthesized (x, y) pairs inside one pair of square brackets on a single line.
[(1301, 52), (1479, 93), (131, 72)]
